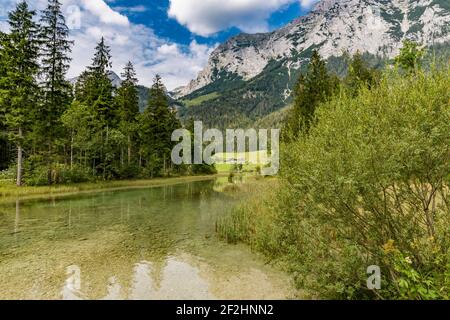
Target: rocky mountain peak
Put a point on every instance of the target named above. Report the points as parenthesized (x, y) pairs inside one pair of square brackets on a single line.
[(332, 27)]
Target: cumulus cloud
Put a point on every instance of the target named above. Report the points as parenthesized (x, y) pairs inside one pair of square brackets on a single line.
[(206, 17), (180, 65), (106, 15), (177, 64)]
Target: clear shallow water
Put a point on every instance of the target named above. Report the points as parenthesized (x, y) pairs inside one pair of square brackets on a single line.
[(155, 243)]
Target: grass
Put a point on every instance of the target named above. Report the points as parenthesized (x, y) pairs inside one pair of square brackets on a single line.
[(199, 100), (223, 168), (248, 222), (250, 166), (10, 192)]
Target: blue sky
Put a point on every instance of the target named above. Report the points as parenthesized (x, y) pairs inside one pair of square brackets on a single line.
[(156, 16), (171, 37)]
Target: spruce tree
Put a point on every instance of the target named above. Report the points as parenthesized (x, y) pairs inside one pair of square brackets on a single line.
[(55, 63), (359, 74), (101, 63), (55, 60), (3, 65), (203, 168), (127, 100), (95, 90), (4, 154), (311, 89), (94, 87), (18, 87), (157, 123), (81, 86)]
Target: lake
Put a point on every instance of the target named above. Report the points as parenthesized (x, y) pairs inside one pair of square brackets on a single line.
[(148, 243)]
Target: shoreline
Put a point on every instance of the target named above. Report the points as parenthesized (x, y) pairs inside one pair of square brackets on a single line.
[(11, 193)]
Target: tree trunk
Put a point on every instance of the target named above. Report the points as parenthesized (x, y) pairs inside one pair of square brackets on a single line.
[(129, 149), (17, 219), (19, 159), (71, 152), (65, 155), (164, 165), (49, 164)]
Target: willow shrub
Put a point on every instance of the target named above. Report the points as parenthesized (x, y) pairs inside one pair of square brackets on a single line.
[(369, 185)]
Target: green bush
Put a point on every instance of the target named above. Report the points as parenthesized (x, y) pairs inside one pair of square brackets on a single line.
[(375, 169), (8, 174), (77, 174), (368, 186), (128, 172), (204, 169), (41, 175), (35, 175)]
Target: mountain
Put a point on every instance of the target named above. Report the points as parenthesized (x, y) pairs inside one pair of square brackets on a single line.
[(251, 75)]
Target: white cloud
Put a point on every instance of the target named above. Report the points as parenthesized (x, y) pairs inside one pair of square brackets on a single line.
[(104, 12), (176, 64), (206, 17), (180, 65)]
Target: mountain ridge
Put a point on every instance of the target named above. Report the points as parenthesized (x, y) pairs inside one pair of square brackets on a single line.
[(377, 27)]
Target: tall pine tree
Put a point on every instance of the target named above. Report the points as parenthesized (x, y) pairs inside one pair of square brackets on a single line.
[(127, 100), (94, 87), (4, 152), (156, 126), (18, 87), (101, 63), (55, 63), (3, 73), (311, 89), (359, 74)]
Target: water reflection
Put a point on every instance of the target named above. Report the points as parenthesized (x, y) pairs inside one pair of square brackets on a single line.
[(72, 287), (177, 280), (86, 247), (17, 219)]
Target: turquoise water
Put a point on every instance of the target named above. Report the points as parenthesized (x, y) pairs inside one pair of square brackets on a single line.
[(155, 243)]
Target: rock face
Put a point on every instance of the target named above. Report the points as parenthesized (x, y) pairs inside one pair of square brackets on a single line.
[(333, 26)]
